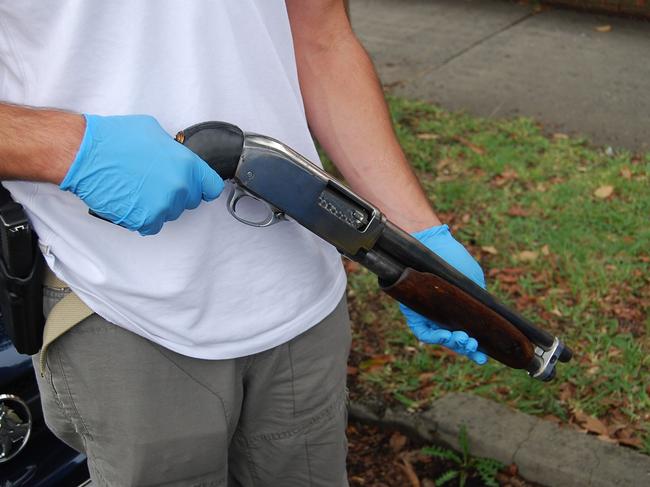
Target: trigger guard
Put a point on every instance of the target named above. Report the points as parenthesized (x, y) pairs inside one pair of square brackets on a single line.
[(237, 193)]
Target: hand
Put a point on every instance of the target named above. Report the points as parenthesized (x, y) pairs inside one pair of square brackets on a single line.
[(440, 241), (131, 172)]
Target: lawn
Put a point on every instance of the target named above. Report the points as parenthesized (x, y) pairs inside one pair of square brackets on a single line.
[(561, 228)]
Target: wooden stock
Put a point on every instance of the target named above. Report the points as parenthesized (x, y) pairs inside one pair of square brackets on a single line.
[(454, 309)]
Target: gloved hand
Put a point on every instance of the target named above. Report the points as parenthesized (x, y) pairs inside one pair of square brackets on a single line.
[(131, 172), (439, 240)]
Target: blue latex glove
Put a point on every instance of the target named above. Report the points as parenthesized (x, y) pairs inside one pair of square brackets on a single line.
[(131, 172), (439, 240)]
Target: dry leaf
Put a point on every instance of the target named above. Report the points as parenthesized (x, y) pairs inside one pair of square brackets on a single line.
[(489, 249), (408, 469), (546, 251), (591, 424), (527, 256), (427, 136), (626, 173), (518, 211), (560, 136), (426, 377), (593, 370), (607, 439), (397, 441), (567, 391), (473, 147), (604, 192), (352, 370), (613, 352), (604, 28), (443, 163), (613, 429), (624, 437), (376, 362)]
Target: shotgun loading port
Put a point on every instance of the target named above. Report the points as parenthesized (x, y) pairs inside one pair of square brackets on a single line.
[(343, 208)]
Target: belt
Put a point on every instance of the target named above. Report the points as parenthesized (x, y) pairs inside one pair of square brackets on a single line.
[(65, 314)]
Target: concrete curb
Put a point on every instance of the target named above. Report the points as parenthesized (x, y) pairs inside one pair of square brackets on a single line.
[(544, 452)]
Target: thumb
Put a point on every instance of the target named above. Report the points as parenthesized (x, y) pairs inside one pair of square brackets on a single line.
[(211, 183)]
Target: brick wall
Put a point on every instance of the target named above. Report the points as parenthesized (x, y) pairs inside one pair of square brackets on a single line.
[(633, 7)]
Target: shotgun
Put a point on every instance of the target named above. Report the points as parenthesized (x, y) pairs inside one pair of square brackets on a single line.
[(293, 188)]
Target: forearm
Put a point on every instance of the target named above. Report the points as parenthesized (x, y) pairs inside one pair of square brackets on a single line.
[(348, 115), (38, 144)]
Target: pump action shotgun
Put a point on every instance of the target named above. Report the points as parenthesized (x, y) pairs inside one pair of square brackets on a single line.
[(292, 188)]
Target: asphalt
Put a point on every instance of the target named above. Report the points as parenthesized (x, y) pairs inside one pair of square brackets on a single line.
[(544, 453), (496, 58)]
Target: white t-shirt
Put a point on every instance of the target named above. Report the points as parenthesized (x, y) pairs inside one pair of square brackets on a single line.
[(207, 285)]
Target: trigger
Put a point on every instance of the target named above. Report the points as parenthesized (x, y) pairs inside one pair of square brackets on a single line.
[(237, 193)]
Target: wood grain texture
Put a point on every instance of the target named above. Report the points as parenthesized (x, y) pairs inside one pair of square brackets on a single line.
[(454, 309)]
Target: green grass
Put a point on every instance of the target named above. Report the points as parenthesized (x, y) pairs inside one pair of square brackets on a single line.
[(505, 186)]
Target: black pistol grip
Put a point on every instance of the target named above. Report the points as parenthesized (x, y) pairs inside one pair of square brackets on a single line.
[(220, 144)]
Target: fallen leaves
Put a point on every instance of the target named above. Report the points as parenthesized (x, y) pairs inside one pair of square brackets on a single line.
[(527, 256), (376, 362), (517, 210), (603, 28), (489, 249), (409, 471), (628, 306), (427, 136), (447, 169), (604, 192), (476, 149), (590, 423), (620, 433), (507, 275), (397, 441), (504, 178), (567, 391)]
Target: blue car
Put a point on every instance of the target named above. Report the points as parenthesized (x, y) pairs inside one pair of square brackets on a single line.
[(30, 455)]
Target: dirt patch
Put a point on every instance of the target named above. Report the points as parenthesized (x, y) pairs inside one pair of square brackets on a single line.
[(386, 458)]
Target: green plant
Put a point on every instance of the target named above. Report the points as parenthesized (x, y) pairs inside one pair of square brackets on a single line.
[(465, 465), (572, 259)]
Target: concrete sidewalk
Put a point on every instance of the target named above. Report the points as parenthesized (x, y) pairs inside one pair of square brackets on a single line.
[(498, 59)]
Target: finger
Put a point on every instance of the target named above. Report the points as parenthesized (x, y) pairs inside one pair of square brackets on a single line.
[(457, 341), (434, 337), (478, 357), (152, 226), (471, 345), (211, 183)]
